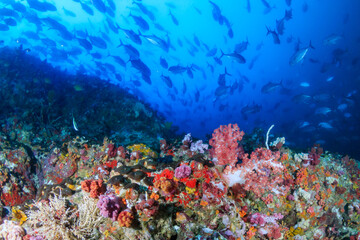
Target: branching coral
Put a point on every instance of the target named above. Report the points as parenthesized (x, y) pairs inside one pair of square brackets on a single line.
[(58, 220)]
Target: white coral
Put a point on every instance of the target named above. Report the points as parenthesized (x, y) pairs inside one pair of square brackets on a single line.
[(11, 231), (58, 221)]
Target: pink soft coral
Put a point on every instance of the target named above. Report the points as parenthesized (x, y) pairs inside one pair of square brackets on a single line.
[(225, 144), (260, 173)]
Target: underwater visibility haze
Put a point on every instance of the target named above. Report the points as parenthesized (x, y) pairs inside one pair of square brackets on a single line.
[(206, 119)]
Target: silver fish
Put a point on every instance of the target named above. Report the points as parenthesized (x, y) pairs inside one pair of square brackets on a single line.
[(299, 55)]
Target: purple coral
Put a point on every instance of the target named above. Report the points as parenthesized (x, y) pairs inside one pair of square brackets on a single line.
[(262, 219), (36, 238), (199, 146), (182, 172), (110, 206)]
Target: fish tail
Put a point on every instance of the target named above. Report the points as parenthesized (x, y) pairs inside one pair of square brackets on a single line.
[(226, 73), (222, 54), (311, 46), (268, 30), (121, 44)]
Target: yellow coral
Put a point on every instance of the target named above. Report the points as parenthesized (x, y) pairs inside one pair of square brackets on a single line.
[(293, 232), (18, 215), (145, 151)]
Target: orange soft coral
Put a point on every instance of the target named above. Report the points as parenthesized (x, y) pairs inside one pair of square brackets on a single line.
[(125, 218), (94, 187)]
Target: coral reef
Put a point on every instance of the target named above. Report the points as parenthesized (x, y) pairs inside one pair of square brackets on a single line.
[(110, 191)]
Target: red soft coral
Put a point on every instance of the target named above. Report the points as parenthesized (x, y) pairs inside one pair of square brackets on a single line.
[(225, 144)]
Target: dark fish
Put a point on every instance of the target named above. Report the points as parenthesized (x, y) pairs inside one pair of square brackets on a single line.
[(189, 73), (302, 98), (164, 63), (48, 42), (85, 43), (41, 6), (233, 87), (141, 66), (248, 6), (259, 46), (222, 107), (288, 14), (140, 22), (180, 43), (112, 26), (250, 109), (98, 42), (212, 52), (112, 4), (305, 7), (289, 39), (146, 78), (74, 51), (240, 47), (198, 10), (221, 91), (159, 27), (252, 62), (99, 5), (110, 67), (10, 21), (184, 88), (174, 19), (8, 13), (65, 34), (31, 35), (130, 50), (132, 35), (280, 26), (270, 87), (68, 12), (216, 13), (145, 10), (4, 27), (96, 55), (119, 60), (312, 60), (167, 81), (274, 35), (222, 78), (177, 69), (17, 6), (299, 55), (218, 60), (196, 41), (230, 33), (211, 67), (268, 8), (197, 95), (87, 9), (110, 12), (237, 57)]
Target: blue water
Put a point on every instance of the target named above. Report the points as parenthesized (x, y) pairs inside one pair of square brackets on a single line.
[(313, 100)]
